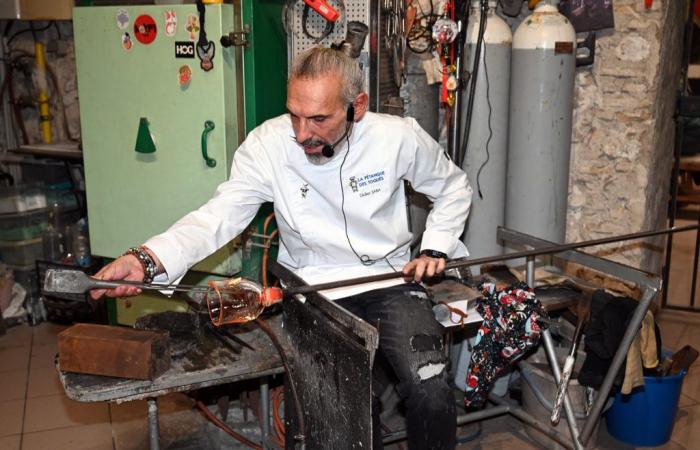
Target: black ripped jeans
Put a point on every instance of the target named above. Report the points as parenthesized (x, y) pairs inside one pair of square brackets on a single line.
[(411, 346)]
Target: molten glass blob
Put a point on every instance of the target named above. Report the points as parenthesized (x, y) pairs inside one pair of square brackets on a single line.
[(238, 300)]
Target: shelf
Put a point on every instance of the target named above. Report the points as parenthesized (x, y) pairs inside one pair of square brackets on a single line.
[(65, 150)]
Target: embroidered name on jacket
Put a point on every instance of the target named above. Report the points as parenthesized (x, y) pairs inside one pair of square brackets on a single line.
[(367, 184)]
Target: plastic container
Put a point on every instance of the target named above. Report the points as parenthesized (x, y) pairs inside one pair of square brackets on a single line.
[(62, 194), (21, 253), (22, 198), (26, 225), (645, 417), (26, 277)]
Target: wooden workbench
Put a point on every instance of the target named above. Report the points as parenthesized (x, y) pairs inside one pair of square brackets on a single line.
[(207, 363)]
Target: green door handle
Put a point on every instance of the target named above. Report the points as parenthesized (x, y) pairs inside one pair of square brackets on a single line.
[(208, 127)]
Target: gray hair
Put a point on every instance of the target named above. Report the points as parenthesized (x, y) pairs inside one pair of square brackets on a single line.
[(318, 61)]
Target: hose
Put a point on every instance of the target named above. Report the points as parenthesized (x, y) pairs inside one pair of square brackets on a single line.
[(301, 435), (223, 426), (265, 257)]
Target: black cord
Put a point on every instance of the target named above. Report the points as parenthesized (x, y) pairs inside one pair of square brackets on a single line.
[(488, 140), (364, 259), (30, 29), (202, 42), (8, 27), (474, 76), (58, 31)]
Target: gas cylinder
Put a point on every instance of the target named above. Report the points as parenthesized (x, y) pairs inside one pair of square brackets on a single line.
[(486, 150), (541, 105)]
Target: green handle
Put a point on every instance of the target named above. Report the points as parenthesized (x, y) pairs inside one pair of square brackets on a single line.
[(208, 127)]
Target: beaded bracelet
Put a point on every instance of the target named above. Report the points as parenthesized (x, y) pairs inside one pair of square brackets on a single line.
[(150, 269)]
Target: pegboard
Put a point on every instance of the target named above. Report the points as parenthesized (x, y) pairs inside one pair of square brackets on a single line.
[(298, 41)]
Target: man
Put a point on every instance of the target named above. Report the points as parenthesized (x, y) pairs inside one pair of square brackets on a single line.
[(335, 173)]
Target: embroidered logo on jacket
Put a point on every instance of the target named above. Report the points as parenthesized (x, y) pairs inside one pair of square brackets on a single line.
[(304, 190), (368, 184)]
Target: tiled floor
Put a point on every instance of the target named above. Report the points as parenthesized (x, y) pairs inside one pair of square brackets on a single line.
[(36, 414)]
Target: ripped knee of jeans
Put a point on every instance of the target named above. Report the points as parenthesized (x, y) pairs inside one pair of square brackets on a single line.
[(426, 343), (428, 349), (430, 370)]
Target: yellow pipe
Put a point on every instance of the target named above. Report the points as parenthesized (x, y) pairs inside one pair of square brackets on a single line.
[(44, 112)]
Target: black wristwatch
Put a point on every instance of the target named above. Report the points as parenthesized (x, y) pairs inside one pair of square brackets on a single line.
[(433, 253)]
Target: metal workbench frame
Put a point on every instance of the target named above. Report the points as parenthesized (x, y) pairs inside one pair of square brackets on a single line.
[(649, 283)]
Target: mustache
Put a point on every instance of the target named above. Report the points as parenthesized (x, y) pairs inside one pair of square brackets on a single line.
[(310, 142)]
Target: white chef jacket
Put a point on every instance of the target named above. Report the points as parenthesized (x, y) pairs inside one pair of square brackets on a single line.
[(313, 202)]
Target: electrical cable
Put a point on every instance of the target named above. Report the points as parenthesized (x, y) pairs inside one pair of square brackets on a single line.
[(17, 114), (30, 29), (8, 27), (57, 98), (59, 101), (488, 140), (364, 259), (474, 77), (58, 30)]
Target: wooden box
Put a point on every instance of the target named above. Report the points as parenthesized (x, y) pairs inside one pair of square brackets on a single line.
[(114, 351)]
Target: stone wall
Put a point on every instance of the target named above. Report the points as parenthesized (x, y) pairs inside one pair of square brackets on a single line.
[(623, 131)]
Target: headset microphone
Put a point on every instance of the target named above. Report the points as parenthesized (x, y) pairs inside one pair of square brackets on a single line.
[(329, 149)]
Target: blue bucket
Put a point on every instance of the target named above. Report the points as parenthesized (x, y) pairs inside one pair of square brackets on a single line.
[(645, 417)]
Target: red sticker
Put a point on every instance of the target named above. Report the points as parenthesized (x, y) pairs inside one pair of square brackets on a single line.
[(145, 29)]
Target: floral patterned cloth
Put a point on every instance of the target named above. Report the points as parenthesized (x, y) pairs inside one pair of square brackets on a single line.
[(510, 328)]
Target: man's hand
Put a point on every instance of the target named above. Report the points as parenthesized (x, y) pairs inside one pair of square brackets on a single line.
[(422, 266), (125, 267)]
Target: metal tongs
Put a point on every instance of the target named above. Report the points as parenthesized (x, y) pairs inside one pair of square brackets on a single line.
[(63, 281)]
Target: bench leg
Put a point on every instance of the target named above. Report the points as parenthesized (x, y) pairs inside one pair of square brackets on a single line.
[(153, 432)]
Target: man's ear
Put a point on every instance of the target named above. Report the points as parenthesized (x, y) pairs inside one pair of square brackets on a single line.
[(360, 104)]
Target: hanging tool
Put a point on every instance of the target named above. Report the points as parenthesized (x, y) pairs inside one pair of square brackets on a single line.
[(324, 9), (205, 48), (395, 37), (583, 314)]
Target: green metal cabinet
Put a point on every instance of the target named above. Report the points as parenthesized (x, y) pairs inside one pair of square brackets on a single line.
[(132, 196)]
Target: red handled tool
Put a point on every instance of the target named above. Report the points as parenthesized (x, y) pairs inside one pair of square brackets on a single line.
[(324, 9)]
